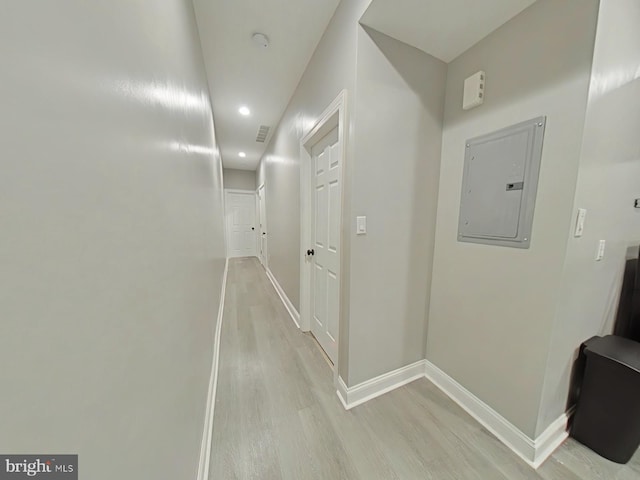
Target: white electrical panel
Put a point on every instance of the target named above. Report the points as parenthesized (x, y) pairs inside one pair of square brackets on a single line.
[(499, 185)]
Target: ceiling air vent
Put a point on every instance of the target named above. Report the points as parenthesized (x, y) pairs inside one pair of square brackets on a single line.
[(263, 131)]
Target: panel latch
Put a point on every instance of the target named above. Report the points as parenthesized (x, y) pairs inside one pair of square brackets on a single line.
[(515, 186)]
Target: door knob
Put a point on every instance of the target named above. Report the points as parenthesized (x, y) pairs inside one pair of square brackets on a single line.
[(311, 252)]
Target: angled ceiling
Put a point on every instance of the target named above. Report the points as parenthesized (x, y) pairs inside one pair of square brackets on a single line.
[(441, 28), (242, 73)]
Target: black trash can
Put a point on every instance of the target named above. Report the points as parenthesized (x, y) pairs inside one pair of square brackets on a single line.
[(607, 418)]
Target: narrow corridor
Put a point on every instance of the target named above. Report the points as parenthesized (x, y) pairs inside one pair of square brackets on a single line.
[(277, 415)]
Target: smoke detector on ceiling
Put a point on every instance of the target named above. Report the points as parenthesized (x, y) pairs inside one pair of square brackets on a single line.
[(260, 39)]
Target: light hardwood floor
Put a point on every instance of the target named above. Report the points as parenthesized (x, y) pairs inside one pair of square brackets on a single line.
[(277, 415)]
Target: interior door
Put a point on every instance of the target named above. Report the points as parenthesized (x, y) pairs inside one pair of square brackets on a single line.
[(262, 233), (241, 223), (326, 158)]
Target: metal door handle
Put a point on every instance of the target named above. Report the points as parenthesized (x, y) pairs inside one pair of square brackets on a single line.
[(311, 252)]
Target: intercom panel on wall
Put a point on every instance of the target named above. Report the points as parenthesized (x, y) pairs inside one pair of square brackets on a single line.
[(499, 185)]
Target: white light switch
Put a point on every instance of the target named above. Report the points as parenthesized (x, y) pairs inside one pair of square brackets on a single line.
[(582, 214), (600, 254), (361, 225)]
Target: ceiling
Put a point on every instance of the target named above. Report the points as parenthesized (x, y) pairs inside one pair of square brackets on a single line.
[(242, 73), (441, 28), (263, 79)]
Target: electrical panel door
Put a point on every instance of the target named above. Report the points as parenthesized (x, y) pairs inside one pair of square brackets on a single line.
[(499, 185)]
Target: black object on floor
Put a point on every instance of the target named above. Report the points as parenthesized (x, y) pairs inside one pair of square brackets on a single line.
[(628, 317), (607, 418)]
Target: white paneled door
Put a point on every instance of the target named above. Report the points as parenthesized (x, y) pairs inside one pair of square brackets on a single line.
[(241, 224), (326, 157), (262, 233)]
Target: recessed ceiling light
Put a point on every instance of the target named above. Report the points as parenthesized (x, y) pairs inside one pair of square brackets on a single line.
[(244, 111), (242, 155)]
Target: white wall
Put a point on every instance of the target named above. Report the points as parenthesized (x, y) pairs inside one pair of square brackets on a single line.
[(395, 125), (398, 132), (492, 313), (239, 179), (112, 247), (330, 70), (607, 187), (492, 308)]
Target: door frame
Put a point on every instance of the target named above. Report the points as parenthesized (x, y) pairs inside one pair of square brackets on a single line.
[(226, 218), (264, 259), (334, 115)]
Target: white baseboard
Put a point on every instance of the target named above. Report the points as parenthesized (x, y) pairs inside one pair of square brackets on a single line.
[(295, 316), (207, 434), (365, 391), (342, 393), (548, 441), (532, 451)]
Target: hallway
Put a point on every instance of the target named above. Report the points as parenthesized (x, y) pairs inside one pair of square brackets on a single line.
[(277, 415)]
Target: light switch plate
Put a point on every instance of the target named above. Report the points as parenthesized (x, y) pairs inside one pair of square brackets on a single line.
[(361, 225), (601, 247), (582, 213)]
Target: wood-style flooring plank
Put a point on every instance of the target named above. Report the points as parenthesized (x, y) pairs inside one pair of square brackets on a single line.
[(277, 415)]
